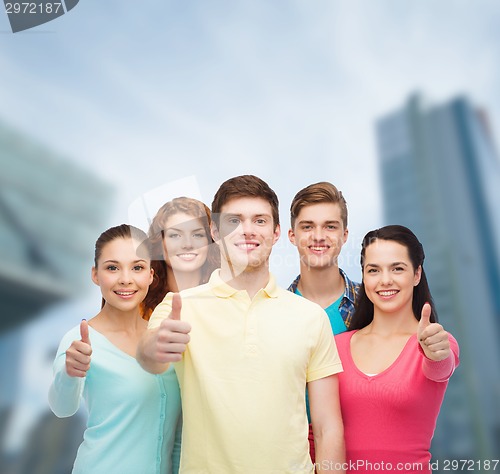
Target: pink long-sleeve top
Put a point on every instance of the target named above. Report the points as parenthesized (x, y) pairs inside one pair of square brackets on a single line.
[(389, 418)]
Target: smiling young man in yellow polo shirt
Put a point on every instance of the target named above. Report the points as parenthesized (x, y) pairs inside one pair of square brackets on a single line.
[(245, 349)]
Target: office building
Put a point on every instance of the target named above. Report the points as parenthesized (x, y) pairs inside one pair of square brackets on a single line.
[(440, 177)]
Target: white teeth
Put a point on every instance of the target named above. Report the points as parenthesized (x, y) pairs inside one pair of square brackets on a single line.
[(387, 293), (319, 248), (124, 293), (247, 246)]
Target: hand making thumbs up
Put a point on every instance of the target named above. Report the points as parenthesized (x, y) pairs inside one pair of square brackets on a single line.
[(173, 334), (78, 354), (432, 337)]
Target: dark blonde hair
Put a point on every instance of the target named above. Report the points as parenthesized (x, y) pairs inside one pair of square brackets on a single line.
[(317, 193), (179, 205)]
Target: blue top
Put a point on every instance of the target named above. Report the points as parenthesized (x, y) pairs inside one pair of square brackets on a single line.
[(134, 423), (346, 306), (334, 316)]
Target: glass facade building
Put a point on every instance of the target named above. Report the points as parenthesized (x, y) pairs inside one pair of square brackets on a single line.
[(51, 211), (440, 177)]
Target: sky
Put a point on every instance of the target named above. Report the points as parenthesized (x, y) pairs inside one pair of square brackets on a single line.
[(144, 94)]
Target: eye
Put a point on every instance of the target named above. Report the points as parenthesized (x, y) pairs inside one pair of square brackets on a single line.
[(138, 268), (233, 220), (372, 270), (112, 268), (306, 227), (331, 227), (199, 235), (173, 235), (260, 221), (399, 269)]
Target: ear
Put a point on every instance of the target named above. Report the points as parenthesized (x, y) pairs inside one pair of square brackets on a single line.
[(93, 275), (277, 233), (345, 236), (418, 275), (291, 237), (214, 232), (151, 276)]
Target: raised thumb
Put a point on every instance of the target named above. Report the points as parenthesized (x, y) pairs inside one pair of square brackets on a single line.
[(425, 318), (176, 307), (84, 331)]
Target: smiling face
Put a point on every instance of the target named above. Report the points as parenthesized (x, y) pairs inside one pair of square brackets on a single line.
[(246, 234), (389, 277), (319, 234), (185, 243), (123, 276)]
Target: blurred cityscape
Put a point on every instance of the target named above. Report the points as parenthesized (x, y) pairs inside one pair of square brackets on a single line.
[(440, 176), (50, 213)]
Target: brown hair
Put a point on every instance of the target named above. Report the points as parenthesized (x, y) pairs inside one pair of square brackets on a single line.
[(123, 231), (184, 205), (315, 194), (244, 186)]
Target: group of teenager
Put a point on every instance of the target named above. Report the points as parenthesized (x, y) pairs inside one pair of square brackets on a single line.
[(198, 362)]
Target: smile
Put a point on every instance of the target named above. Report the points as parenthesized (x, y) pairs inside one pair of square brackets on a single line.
[(387, 292), (318, 248), (247, 245), (187, 256), (126, 293)]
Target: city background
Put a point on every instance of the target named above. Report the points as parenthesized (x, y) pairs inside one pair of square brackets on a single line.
[(397, 103)]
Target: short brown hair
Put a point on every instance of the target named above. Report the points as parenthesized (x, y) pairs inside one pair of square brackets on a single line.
[(315, 194), (244, 186)]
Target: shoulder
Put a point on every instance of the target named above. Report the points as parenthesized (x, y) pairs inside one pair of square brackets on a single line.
[(293, 285), (343, 339), (286, 296)]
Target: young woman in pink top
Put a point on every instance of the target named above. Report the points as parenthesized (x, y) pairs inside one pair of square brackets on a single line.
[(397, 359)]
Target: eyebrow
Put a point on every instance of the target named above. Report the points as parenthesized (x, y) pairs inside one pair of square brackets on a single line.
[(332, 221), (262, 214), (394, 264), (116, 261), (183, 230)]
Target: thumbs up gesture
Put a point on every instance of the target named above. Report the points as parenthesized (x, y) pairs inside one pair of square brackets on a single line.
[(432, 337), (173, 334), (78, 354)]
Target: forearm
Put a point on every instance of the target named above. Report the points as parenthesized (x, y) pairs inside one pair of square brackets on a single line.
[(330, 451), (65, 393), (147, 356)]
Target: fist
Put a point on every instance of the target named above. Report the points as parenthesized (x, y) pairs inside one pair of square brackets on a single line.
[(78, 354), (173, 335), (432, 337)]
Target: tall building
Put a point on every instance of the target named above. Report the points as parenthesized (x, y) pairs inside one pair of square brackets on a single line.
[(51, 211), (441, 178)]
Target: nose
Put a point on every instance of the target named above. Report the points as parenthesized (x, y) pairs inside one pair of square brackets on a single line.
[(318, 233), (386, 278), (247, 228), (125, 277), (187, 242)]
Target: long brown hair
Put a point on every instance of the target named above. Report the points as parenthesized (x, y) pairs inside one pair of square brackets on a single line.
[(363, 314), (159, 287)]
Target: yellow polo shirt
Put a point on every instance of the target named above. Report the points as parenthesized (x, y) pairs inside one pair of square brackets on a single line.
[(243, 377)]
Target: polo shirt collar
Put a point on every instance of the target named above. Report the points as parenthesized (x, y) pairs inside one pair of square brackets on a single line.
[(223, 290)]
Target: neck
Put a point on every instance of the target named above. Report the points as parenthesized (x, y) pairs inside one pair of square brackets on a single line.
[(321, 285), (178, 281), (118, 320), (387, 324), (249, 279)]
